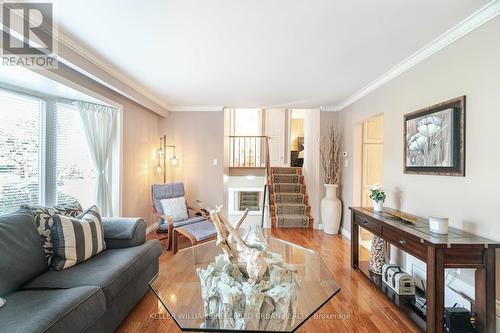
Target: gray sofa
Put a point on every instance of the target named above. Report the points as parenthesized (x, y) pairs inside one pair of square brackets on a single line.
[(94, 296)]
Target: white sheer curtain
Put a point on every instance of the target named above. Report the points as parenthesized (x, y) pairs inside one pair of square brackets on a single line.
[(99, 123)]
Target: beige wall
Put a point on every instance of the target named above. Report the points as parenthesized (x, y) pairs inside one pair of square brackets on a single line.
[(140, 137), (470, 67), (199, 139)]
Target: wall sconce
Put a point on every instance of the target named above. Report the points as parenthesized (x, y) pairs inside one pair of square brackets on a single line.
[(161, 167)]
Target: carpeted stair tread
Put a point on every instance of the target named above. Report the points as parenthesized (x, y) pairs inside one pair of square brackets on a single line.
[(288, 179), (290, 209), (289, 197), (287, 188), (284, 171), (292, 221)]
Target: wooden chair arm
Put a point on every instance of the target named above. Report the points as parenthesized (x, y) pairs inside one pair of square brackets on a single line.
[(166, 218), (197, 210)]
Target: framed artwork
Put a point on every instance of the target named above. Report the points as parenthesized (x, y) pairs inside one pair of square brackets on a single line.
[(434, 139)]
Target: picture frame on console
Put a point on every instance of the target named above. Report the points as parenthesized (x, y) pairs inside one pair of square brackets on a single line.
[(434, 139)]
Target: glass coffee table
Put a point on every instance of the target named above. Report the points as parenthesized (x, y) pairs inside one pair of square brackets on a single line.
[(177, 286)]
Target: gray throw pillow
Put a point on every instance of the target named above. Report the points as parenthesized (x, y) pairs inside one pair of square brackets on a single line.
[(21, 252)]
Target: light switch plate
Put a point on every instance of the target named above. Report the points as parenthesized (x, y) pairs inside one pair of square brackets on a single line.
[(215, 162)]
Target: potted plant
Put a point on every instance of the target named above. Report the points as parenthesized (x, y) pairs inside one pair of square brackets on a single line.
[(331, 206), (377, 194)]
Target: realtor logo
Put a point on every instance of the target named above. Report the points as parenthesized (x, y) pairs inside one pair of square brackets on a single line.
[(27, 35)]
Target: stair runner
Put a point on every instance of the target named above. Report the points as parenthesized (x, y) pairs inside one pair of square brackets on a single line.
[(289, 208)]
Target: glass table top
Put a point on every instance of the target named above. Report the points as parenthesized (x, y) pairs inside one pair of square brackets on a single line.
[(177, 287)]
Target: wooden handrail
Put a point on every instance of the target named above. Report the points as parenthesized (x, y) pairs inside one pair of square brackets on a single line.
[(266, 185)]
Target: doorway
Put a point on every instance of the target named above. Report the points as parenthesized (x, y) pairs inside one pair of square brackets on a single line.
[(372, 165), (297, 137), (276, 132)]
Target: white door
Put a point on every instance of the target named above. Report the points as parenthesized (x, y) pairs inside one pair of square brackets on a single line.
[(275, 130), (373, 165)]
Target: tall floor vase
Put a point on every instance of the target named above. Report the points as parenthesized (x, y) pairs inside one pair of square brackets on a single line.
[(378, 256), (331, 210)]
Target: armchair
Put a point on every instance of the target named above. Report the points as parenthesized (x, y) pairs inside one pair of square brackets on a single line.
[(168, 191)]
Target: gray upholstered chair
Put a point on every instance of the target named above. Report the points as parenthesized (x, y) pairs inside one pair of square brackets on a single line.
[(168, 191)]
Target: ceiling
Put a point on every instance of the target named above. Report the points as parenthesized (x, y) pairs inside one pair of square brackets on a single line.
[(255, 53)]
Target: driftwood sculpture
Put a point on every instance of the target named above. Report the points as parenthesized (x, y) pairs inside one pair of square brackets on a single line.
[(247, 287)]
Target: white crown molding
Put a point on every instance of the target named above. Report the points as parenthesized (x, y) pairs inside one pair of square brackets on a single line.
[(195, 108), (329, 108), (106, 73), (480, 17)]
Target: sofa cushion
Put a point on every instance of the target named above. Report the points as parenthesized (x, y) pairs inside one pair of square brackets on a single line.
[(111, 270), (201, 230), (191, 220), (21, 251), (44, 220), (58, 310), (75, 240)]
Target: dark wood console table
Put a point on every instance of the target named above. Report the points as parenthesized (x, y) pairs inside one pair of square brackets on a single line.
[(458, 249)]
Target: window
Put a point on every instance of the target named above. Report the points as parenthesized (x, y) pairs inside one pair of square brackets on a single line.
[(21, 130), (44, 156), (75, 170)]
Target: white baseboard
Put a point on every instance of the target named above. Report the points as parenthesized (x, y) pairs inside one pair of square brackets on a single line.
[(345, 233), (151, 228)]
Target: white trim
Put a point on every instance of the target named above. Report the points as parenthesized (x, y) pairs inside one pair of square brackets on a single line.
[(62, 80), (345, 233), (62, 38), (331, 108), (480, 17), (232, 202), (195, 108), (151, 228)]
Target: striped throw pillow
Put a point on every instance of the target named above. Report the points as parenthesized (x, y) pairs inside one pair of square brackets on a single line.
[(76, 239)]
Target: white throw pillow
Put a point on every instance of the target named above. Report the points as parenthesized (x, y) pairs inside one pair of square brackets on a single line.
[(175, 207)]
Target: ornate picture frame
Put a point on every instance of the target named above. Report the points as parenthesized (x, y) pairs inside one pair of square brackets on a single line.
[(434, 139)]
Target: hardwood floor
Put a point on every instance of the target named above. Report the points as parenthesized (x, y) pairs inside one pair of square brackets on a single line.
[(358, 307)]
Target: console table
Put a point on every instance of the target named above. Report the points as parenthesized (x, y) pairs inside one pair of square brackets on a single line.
[(457, 249)]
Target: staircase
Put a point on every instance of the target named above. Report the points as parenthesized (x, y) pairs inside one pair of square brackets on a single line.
[(288, 199)]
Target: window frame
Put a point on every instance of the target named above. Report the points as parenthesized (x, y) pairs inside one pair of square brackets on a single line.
[(48, 158)]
